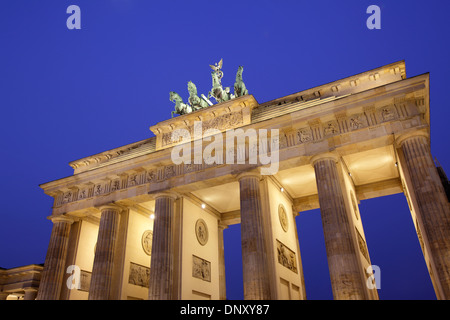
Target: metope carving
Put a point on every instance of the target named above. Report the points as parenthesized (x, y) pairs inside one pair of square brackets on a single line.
[(304, 135), (387, 113), (331, 127), (98, 189), (151, 176), (115, 185), (357, 121), (133, 180), (67, 197)]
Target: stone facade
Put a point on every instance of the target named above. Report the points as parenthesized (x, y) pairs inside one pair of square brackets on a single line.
[(356, 138)]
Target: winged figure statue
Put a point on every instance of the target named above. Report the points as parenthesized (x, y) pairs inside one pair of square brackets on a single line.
[(217, 67)]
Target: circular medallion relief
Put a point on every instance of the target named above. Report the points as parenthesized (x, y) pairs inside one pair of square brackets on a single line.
[(147, 238), (201, 231), (283, 217)]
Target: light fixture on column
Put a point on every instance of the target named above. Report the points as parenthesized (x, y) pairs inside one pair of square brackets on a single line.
[(203, 206), (282, 189), (396, 164)]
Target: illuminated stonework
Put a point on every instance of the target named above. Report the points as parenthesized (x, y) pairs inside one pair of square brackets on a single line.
[(340, 143)]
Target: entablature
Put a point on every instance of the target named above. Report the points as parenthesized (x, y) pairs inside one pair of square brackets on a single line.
[(348, 125)]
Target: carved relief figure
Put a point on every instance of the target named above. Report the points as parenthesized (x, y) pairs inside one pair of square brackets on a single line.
[(82, 194), (283, 217), (169, 171), (283, 140), (201, 268), (98, 189), (132, 180), (331, 128), (356, 122), (139, 275), (188, 167), (115, 185), (286, 257), (387, 113), (201, 231), (222, 122), (146, 241), (151, 176), (67, 197), (304, 135)]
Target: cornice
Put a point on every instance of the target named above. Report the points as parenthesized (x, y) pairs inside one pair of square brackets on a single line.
[(297, 129)]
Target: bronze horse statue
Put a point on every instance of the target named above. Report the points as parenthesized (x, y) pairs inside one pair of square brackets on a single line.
[(217, 91), (180, 107), (239, 85), (194, 100)]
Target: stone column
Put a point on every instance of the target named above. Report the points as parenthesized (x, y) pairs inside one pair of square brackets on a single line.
[(30, 293), (254, 255), (102, 270), (222, 281), (432, 204), (53, 273), (162, 259), (345, 271)]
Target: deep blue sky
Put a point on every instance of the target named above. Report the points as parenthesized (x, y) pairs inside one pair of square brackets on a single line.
[(66, 94)]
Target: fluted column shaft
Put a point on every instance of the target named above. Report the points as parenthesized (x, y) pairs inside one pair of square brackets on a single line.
[(432, 204), (345, 272), (222, 281), (162, 260), (53, 273), (254, 257), (102, 270)]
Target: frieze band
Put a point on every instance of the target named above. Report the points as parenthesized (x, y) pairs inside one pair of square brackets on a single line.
[(316, 131)]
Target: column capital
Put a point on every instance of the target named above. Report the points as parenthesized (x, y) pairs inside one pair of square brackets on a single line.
[(222, 226), (110, 206), (166, 194), (61, 218), (326, 155), (254, 174), (406, 136)]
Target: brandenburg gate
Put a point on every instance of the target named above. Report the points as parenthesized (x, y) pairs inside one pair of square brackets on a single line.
[(146, 220)]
